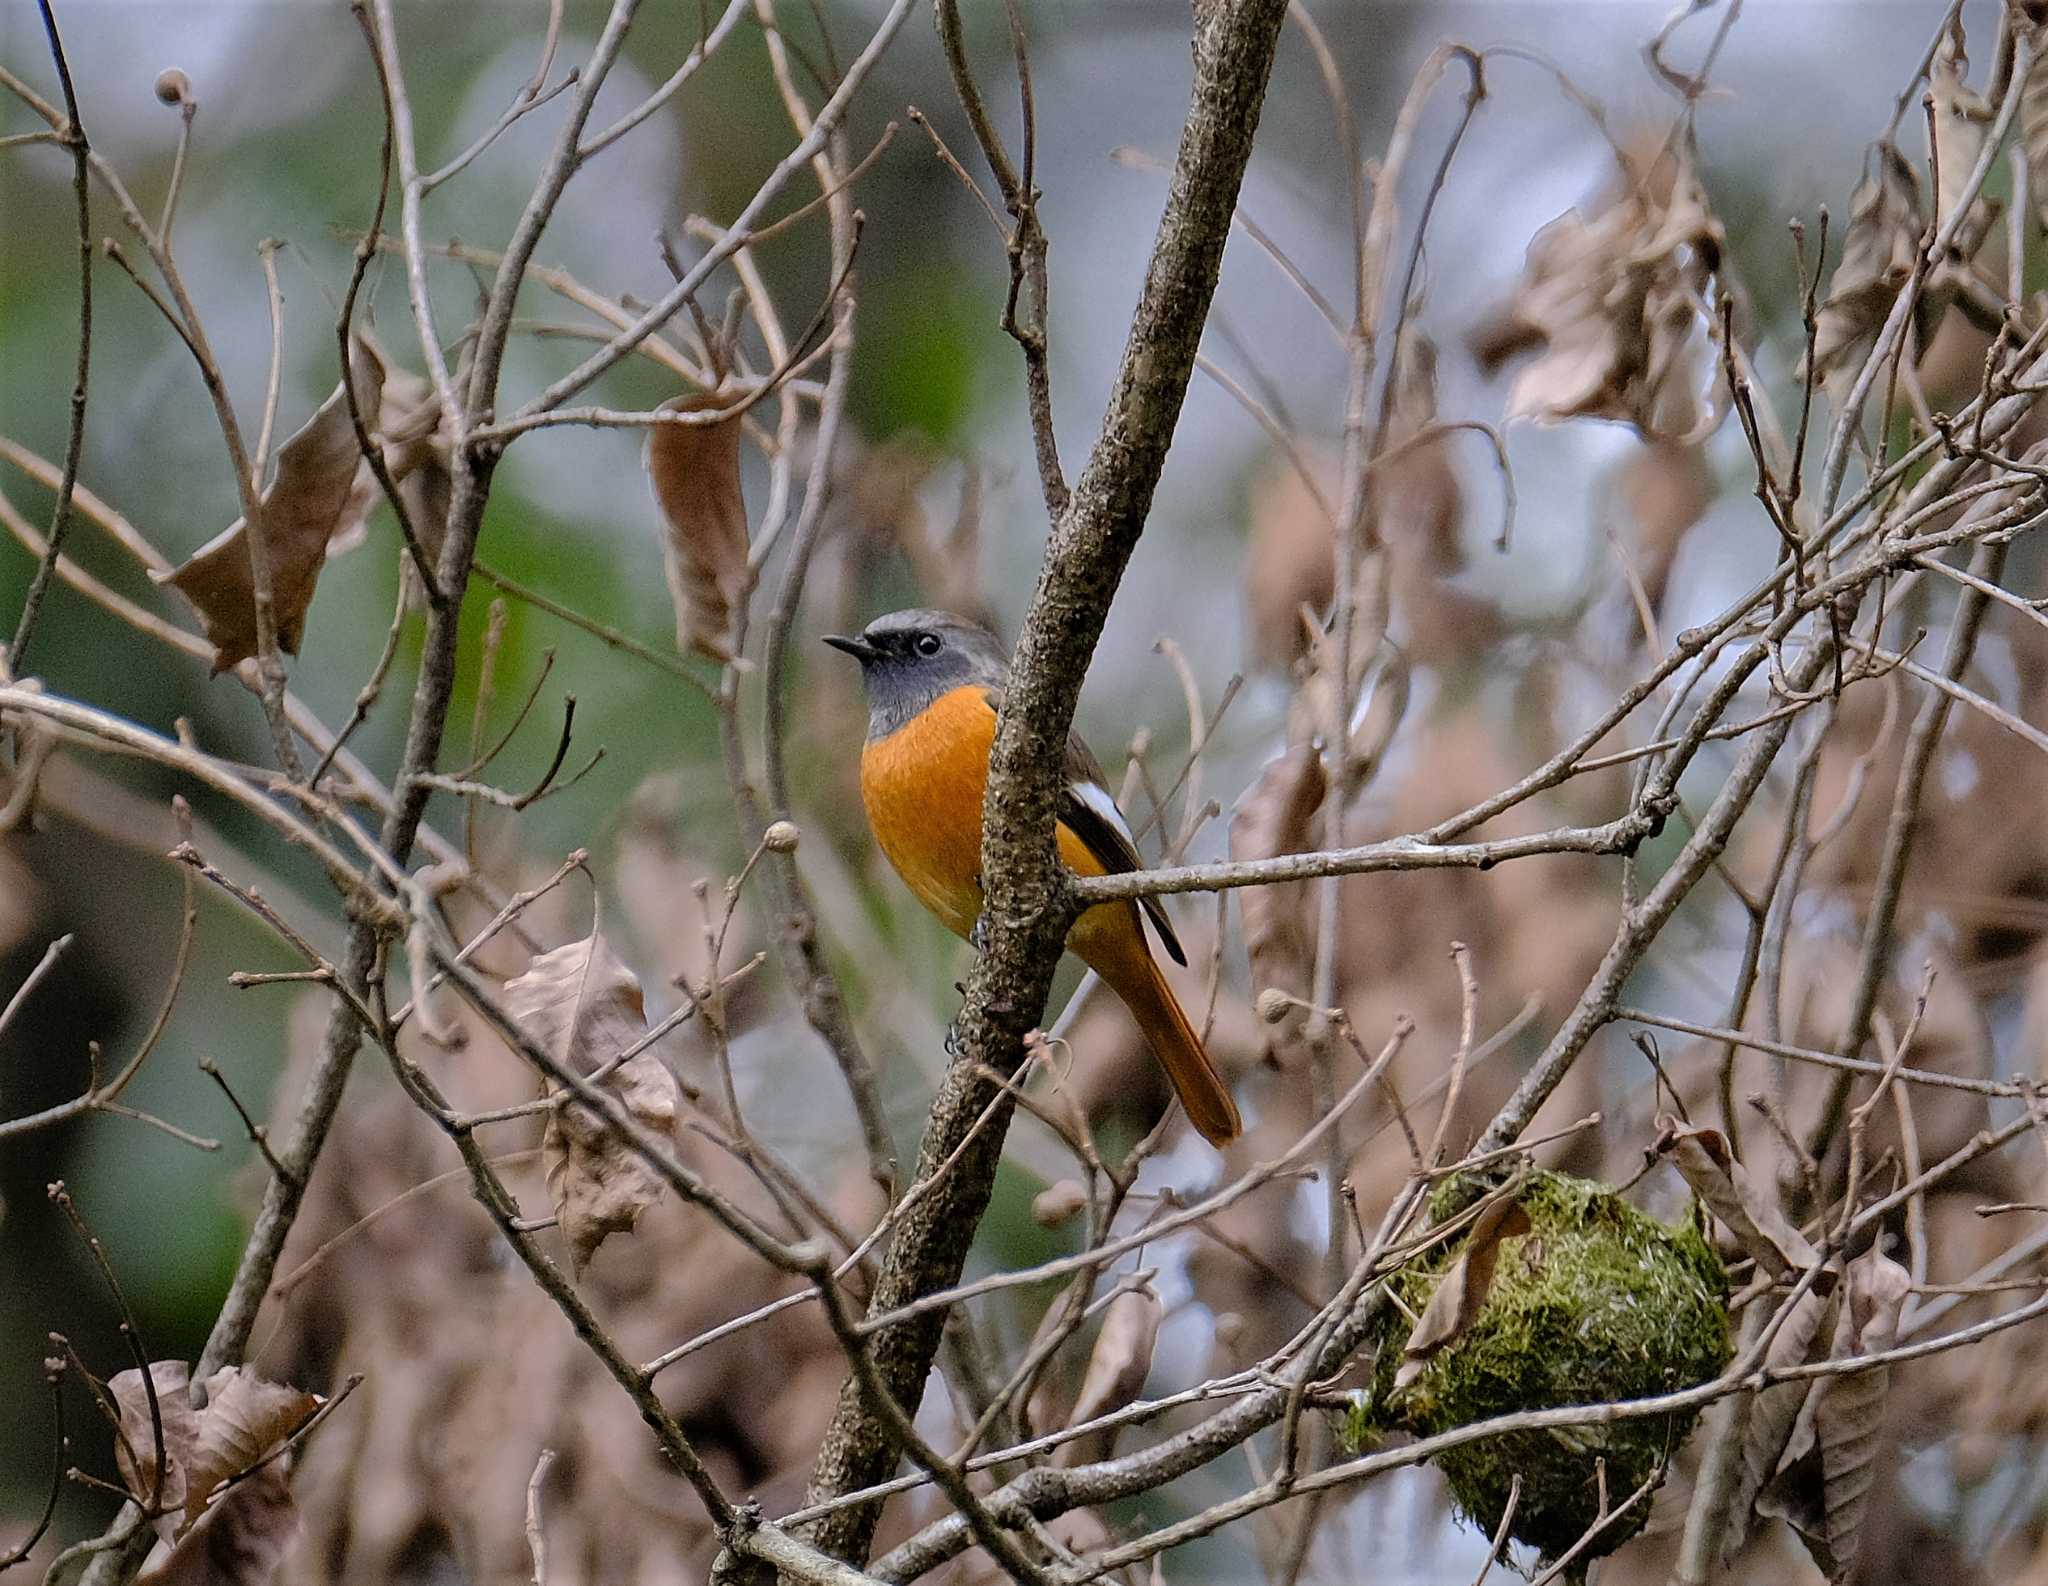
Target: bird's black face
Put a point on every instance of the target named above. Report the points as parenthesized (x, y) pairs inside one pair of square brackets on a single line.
[(910, 658)]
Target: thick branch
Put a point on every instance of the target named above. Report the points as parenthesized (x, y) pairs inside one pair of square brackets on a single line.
[(1027, 910)]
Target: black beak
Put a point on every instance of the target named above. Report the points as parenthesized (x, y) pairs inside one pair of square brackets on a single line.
[(858, 648)]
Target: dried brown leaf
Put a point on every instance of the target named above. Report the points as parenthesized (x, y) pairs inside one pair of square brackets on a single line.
[(583, 1007), (1117, 1366), (1664, 490), (418, 441), (223, 1520), (695, 472), (1775, 1411), (239, 1541), (1618, 303), (1703, 1159), (1277, 817), (1849, 1420), (135, 1449), (245, 1419), (1462, 1292), (313, 500), (1885, 223), (1823, 1486), (1962, 118), (1290, 554)]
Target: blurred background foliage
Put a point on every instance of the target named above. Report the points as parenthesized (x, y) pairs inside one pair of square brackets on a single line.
[(286, 148)]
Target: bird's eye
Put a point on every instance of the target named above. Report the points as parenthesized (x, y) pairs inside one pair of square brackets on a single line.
[(928, 644)]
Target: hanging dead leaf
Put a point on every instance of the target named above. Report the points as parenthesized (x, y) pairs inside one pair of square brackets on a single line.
[(1703, 1159), (695, 472), (1774, 1413), (239, 1541), (1618, 302), (1277, 817), (313, 500), (224, 1510), (418, 442), (583, 1007), (1316, 710), (135, 1449), (1290, 555), (1663, 490), (245, 1419), (1962, 118), (1878, 250), (1117, 1368), (1416, 497), (1823, 1484), (1461, 1293)]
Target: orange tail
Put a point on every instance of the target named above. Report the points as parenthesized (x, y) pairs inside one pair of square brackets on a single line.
[(1137, 979)]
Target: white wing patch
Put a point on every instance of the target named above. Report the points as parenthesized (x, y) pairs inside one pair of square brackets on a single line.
[(1094, 796)]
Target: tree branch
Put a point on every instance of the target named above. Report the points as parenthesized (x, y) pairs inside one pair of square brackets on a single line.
[(1027, 910)]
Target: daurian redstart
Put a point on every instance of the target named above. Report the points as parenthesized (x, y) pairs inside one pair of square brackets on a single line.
[(934, 682)]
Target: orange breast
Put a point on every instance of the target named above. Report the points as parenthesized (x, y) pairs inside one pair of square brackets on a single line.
[(923, 787)]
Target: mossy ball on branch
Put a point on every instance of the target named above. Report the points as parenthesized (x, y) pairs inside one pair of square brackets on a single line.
[(1589, 1301)]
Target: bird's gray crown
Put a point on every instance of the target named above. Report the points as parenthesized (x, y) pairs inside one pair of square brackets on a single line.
[(910, 658)]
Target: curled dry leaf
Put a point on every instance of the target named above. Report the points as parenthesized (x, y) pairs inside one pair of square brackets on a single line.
[(1619, 305), (1462, 1292), (1878, 250), (695, 473), (1117, 1368), (1290, 560), (1703, 1159), (135, 1449), (1962, 118), (1416, 494), (1774, 1412), (1823, 1483), (226, 1514), (244, 1421), (1277, 817), (313, 500), (240, 1541), (583, 1007), (1662, 491), (1317, 709), (418, 441)]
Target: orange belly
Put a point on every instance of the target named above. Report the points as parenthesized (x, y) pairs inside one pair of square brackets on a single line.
[(923, 787)]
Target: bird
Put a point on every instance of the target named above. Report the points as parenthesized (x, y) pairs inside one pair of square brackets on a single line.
[(934, 683)]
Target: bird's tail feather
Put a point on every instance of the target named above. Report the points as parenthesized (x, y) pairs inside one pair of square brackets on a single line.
[(1196, 1079)]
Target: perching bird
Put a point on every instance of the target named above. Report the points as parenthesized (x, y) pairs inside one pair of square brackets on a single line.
[(934, 682)]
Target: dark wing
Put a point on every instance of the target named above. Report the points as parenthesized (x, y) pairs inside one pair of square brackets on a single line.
[(1089, 811)]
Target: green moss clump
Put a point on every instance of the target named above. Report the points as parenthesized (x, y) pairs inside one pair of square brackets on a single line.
[(1596, 1302)]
